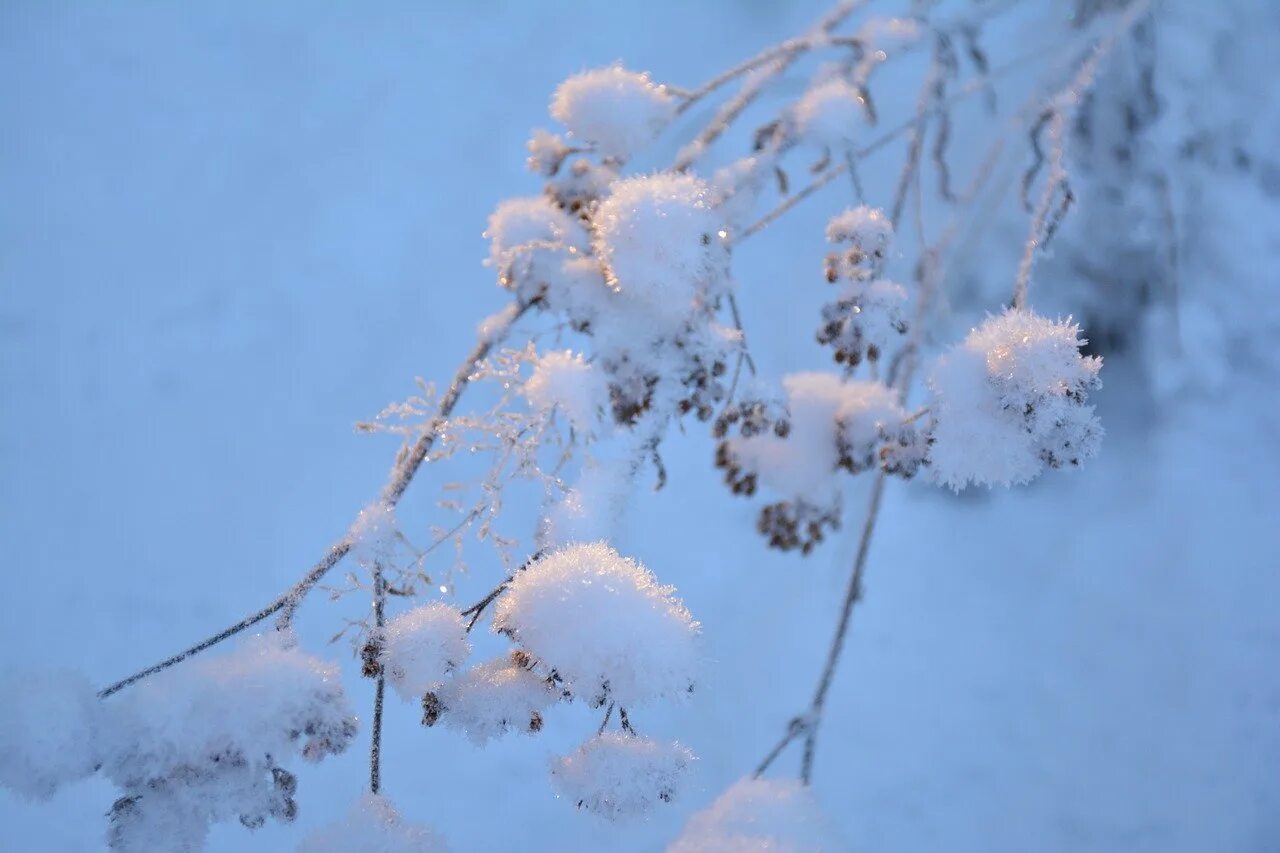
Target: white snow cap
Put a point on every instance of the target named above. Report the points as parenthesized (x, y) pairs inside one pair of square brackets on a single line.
[(604, 623), (373, 825), (492, 698), (616, 110), (761, 816), (866, 227), (1011, 399), (662, 244), (617, 775), (564, 380), (519, 222), (824, 410), (831, 113), (50, 726), (208, 741), (422, 646)]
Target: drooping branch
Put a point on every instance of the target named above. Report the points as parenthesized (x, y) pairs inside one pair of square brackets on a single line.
[(402, 473)]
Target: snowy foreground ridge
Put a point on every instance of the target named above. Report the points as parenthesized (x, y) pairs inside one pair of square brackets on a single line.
[(870, 275)]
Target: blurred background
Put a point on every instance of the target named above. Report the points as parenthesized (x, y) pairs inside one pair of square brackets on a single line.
[(229, 232)]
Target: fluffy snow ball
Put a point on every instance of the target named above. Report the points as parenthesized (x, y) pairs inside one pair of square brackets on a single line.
[(489, 700), (864, 235), (565, 381), (604, 623), (373, 825), (520, 222), (617, 775), (761, 816), (49, 731), (1010, 399), (830, 419), (831, 113), (420, 647), (616, 111), (662, 243)]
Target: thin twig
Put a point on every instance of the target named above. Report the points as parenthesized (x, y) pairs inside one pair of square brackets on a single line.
[(380, 686), (401, 475)]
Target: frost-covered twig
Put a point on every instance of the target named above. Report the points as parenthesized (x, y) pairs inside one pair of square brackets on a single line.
[(407, 464), (754, 85), (1057, 195), (380, 683)]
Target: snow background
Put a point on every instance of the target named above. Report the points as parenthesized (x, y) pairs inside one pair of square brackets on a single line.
[(228, 233)]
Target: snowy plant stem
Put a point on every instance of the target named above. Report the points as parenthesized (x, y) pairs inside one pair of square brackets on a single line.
[(380, 685), (407, 465), (764, 74), (1056, 196), (853, 593)]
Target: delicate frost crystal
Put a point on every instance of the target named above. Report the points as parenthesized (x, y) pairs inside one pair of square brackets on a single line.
[(565, 381), (761, 816), (603, 623), (1011, 399), (50, 730), (491, 699), (662, 244), (420, 647), (616, 775), (829, 419), (207, 741), (616, 110), (831, 113), (373, 825)]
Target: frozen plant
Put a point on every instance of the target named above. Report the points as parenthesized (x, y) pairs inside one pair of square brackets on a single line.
[(419, 648), (603, 623), (620, 774), (1010, 400), (633, 274)]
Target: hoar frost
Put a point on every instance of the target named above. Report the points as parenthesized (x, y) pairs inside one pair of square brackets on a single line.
[(761, 816), (612, 109), (617, 775), (565, 381), (373, 825), (50, 731), (1011, 399), (603, 623), (419, 648)]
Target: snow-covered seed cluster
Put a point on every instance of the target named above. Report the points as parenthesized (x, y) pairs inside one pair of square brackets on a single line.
[(832, 113), (747, 418), (208, 742), (373, 825), (662, 244), (832, 425), (533, 244), (418, 649), (492, 698), (605, 625), (1011, 399), (797, 524), (614, 111), (761, 815), (862, 236), (868, 314), (619, 775), (564, 381), (50, 731)]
